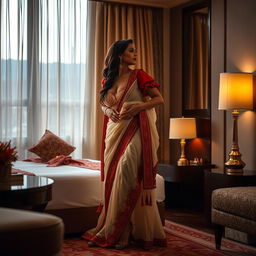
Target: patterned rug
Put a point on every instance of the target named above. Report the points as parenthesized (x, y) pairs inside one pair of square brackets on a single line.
[(181, 240)]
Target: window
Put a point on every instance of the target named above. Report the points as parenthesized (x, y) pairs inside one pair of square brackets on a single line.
[(43, 60)]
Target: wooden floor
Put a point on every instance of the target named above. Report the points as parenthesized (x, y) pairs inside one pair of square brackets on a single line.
[(189, 218)]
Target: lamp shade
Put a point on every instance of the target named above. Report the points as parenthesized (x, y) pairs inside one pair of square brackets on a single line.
[(236, 91), (182, 128)]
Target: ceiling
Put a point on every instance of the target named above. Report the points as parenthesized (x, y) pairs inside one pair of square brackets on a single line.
[(153, 3)]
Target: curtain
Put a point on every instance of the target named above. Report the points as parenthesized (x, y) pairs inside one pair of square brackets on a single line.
[(197, 95), (13, 73), (44, 72), (116, 22), (127, 21), (51, 75), (58, 67), (161, 111)]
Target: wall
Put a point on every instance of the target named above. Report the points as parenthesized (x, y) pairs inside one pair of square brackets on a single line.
[(175, 74), (233, 40), (166, 86), (217, 66), (233, 50), (201, 147)]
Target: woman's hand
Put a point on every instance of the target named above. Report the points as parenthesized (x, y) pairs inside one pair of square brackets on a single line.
[(113, 115), (131, 111)]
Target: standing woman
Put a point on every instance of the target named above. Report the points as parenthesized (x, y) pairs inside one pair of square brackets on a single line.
[(129, 154)]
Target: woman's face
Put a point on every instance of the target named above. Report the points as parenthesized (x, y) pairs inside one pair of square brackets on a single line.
[(129, 56)]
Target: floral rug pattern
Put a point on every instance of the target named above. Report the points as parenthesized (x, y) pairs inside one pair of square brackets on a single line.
[(181, 240)]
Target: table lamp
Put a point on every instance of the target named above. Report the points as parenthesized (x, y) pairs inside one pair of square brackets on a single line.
[(235, 92), (182, 128)]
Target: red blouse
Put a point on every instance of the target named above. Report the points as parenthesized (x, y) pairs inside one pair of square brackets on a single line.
[(145, 81)]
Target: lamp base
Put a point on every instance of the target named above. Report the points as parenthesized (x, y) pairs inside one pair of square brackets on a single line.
[(234, 171), (182, 162), (234, 165)]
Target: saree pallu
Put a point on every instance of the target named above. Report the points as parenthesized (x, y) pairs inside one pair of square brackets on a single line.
[(129, 170)]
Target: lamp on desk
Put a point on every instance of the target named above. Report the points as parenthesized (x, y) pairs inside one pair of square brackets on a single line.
[(235, 92), (182, 128)]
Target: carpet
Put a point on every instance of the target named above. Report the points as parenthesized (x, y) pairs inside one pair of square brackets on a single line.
[(181, 240)]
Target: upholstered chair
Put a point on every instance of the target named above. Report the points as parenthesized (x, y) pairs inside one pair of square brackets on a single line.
[(234, 207), (27, 233)]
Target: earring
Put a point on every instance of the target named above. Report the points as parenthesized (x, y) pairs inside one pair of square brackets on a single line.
[(121, 61)]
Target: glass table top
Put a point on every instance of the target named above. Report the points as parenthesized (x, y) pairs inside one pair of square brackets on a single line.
[(24, 182)]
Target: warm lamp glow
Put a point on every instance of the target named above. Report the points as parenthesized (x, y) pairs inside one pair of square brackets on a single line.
[(182, 128), (236, 91)]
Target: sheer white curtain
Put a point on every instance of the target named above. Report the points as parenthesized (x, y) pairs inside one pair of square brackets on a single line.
[(48, 86), (13, 72)]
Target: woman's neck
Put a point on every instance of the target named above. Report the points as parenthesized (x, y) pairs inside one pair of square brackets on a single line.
[(123, 69)]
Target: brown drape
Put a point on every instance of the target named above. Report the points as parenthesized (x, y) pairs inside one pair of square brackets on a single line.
[(197, 94), (125, 22), (115, 22)]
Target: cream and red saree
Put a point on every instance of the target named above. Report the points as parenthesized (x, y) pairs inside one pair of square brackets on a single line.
[(128, 171)]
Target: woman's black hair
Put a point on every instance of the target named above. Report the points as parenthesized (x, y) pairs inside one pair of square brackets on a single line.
[(112, 62)]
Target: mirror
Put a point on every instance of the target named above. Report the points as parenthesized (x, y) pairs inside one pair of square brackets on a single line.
[(196, 60)]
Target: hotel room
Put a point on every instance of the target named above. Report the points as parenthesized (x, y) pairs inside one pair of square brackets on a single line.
[(201, 53)]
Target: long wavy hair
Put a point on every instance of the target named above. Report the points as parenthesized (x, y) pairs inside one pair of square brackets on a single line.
[(112, 62)]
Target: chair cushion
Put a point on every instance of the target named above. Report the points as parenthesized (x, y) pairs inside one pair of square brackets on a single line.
[(233, 221), (29, 233), (240, 201)]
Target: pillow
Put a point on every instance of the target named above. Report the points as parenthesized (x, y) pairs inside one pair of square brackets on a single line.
[(50, 146)]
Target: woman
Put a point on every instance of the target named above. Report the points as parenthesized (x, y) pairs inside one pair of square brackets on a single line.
[(129, 160)]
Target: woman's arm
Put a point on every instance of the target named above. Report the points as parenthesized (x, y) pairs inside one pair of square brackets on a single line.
[(132, 110)]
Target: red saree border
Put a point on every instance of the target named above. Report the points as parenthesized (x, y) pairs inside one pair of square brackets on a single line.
[(132, 78), (125, 140), (103, 242), (103, 145), (148, 168), (147, 172), (122, 220)]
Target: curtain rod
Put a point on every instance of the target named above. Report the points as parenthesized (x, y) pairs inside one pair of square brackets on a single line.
[(132, 2)]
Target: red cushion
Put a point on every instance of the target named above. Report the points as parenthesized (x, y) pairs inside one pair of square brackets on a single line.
[(50, 146)]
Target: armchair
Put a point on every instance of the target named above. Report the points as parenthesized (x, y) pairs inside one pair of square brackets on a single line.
[(234, 207)]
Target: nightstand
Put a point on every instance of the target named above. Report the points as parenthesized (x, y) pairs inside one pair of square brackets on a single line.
[(184, 185)]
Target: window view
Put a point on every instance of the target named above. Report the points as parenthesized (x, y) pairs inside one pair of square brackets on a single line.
[(13, 89), (42, 82)]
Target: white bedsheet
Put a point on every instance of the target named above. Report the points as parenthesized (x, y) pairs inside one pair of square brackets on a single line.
[(73, 186)]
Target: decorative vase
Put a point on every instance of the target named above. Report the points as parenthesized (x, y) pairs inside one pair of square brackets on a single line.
[(5, 173)]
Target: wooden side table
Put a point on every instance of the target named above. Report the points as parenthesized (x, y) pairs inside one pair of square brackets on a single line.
[(184, 185), (219, 179), (34, 193)]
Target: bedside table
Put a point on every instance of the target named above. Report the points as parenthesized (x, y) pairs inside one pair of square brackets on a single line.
[(184, 185)]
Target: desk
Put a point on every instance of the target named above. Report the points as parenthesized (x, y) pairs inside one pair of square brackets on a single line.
[(184, 185), (219, 179), (34, 193)]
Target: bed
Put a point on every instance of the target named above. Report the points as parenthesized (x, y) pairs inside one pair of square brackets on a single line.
[(77, 193)]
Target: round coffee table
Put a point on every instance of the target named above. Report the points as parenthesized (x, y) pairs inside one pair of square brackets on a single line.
[(33, 192)]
